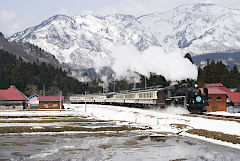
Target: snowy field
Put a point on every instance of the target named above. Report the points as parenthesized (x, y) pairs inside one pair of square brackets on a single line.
[(159, 120), (162, 120)]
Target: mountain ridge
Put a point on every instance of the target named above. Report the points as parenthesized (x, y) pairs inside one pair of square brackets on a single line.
[(85, 42), (28, 52)]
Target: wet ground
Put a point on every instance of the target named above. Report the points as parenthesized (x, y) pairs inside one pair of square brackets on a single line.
[(115, 146), (112, 142)]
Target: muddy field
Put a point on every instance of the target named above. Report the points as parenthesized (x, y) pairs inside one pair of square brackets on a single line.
[(83, 138)]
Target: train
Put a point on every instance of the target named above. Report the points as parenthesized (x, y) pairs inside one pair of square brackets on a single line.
[(185, 95)]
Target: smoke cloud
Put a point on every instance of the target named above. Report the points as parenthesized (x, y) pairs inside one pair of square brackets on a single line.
[(173, 66)]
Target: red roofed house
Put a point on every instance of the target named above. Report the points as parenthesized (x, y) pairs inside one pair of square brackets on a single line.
[(234, 101), (50, 102), (12, 97), (217, 97), (220, 97)]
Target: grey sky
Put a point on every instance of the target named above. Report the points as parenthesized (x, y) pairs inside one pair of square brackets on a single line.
[(17, 15)]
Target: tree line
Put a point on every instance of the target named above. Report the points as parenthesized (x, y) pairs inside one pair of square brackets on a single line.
[(217, 72), (32, 78)]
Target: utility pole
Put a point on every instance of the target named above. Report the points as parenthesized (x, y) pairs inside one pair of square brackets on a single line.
[(114, 88), (43, 89), (85, 102), (60, 100), (145, 82)]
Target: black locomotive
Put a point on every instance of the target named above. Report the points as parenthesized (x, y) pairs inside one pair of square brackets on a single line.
[(187, 95)]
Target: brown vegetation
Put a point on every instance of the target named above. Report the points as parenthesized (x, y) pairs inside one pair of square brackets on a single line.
[(216, 135), (28, 129)]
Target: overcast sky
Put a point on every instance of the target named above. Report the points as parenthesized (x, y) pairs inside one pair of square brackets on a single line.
[(17, 15)]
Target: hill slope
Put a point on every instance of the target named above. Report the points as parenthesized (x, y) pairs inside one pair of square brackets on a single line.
[(28, 52)]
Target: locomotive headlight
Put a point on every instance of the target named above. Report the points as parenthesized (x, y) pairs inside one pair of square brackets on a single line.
[(198, 98)]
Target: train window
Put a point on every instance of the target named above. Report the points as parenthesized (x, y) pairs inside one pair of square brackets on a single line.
[(219, 99)]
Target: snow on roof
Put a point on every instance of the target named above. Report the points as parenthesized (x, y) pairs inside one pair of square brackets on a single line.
[(12, 94), (50, 98)]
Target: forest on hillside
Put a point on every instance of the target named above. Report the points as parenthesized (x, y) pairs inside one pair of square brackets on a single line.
[(36, 78), (44, 79)]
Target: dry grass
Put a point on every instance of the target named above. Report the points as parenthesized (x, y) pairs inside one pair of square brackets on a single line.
[(216, 135), (104, 146), (180, 159), (180, 126), (50, 121), (212, 117), (12, 117), (131, 142), (27, 129)]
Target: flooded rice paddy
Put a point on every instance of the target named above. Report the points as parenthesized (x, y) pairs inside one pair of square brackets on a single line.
[(57, 138)]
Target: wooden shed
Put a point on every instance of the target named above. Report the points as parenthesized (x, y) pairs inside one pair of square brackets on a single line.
[(50, 102)]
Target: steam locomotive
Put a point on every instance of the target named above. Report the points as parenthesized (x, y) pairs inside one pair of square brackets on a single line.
[(186, 95)]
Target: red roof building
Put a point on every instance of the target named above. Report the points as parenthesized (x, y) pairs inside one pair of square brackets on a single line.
[(50, 98), (12, 94), (12, 97), (50, 102), (234, 97), (218, 96)]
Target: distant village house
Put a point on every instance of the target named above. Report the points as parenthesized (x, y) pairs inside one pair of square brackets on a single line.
[(50, 102), (33, 102), (222, 99), (12, 98)]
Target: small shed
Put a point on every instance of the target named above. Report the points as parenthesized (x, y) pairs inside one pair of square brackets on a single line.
[(50, 102)]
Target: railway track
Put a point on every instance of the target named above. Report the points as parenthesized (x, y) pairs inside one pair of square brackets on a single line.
[(215, 117)]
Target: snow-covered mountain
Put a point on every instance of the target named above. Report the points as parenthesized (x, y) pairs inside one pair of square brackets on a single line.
[(85, 41), (29, 52)]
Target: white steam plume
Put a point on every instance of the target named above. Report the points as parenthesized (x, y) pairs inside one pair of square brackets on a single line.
[(173, 66)]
